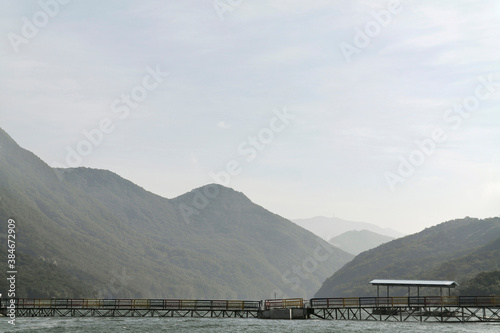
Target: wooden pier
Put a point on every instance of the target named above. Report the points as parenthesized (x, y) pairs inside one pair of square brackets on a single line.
[(33, 307), (428, 309)]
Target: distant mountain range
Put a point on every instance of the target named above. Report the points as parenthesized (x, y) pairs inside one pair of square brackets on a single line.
[(90, 233), (355, 241), (456, 250), (329, 227)]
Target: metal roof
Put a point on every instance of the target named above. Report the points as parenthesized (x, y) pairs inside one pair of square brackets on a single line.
[(414, 283)]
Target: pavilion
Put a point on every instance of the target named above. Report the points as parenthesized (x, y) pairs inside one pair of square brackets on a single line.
[(414, 283)]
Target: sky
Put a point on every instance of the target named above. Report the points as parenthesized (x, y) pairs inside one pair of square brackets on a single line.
[(376, 111)]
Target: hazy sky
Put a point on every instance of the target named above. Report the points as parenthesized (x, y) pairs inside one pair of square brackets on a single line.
[(377, 111)]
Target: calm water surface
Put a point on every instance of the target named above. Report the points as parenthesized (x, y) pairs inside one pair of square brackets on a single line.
[(193, 325)]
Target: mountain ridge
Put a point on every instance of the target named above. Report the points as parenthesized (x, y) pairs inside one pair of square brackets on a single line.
[(120, 240)]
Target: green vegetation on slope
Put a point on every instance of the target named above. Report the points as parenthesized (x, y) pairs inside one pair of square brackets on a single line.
[(39, 278), (484, 284), (482, 259)]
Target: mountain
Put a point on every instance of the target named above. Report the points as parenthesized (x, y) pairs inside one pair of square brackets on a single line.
[(449, 251), (355, 241), (483, 259), (484, 284), (329, 227), (90, 233)]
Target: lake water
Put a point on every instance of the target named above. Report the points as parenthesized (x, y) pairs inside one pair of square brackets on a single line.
[(193, 325)]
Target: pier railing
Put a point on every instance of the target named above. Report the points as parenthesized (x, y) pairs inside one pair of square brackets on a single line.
[(427, 308), (425, 301), (244, 305), (284, 303), (137, 304)]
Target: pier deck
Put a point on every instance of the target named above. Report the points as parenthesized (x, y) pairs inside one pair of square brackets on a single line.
[(429, 308), (135, 308)]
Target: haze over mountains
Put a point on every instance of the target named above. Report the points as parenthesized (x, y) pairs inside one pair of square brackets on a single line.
[(329, 227), (90, 233), (355, 241), (455, 250)]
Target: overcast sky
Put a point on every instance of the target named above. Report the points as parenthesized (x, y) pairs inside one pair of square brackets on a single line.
[(374, 111)]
